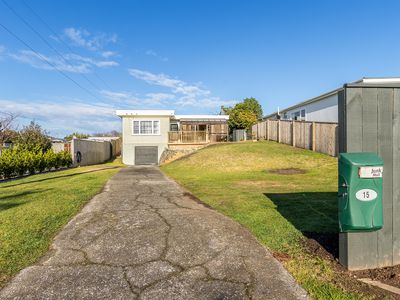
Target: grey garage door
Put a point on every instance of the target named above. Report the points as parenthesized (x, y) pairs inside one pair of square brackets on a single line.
[(146, 155)]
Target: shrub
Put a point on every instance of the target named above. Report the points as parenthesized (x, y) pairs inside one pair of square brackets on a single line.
[(66, 158), (20, 160), (7, 167)]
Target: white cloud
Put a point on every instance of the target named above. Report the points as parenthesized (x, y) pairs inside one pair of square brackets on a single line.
[(2, 52), (98, 63), (155, 54), (106, 63), (63, 118), (116, 96), (72, 63), (186, 94), (83, 38), (152, 99), (212, 102), (107, 54), (177, 86), (40, 60), (159, 99)]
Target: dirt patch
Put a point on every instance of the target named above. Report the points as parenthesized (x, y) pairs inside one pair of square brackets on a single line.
[(288, 171), (326, 246), (388, 275), (282, 257)]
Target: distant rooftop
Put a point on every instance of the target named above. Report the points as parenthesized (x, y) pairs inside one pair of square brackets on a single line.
[(365, 81), (378, 80)]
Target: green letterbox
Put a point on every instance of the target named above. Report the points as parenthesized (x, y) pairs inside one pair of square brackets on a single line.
[(360, 192)]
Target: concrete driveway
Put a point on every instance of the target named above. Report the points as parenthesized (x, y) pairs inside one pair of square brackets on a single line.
[(145, 237)]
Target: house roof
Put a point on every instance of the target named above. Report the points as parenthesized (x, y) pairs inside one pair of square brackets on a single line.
[(365, 81)]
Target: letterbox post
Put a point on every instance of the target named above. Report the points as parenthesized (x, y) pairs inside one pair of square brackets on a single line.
[(369, 121)]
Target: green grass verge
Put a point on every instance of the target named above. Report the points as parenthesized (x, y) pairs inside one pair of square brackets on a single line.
[(235, 180), (35, 208)]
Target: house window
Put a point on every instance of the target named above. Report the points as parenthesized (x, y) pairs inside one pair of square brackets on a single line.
[(296, 115), (156, 127), (136, 127), (173, 127), (303, 114), (146, 127)]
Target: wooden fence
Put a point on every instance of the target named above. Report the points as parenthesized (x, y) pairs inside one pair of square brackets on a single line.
[(316, 136)]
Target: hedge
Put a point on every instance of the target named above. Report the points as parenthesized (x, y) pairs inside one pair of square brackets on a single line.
[(19, 161)]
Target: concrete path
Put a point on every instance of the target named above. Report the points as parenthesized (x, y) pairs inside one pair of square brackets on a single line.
[(144, 237)]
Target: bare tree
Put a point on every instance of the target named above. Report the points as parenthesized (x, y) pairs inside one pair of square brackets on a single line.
[(112, 133), (7, 131)]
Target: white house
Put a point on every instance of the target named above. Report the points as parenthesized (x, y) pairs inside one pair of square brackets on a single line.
[(146, 134), (324, 108)]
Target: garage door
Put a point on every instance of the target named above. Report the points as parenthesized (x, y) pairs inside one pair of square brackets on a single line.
[(146, 155)]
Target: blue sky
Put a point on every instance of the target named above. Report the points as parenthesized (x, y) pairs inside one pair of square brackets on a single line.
[(191, 56)]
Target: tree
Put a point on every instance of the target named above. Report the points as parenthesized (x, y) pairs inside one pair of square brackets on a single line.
[(251, 105), (112, 133), (7, 131), (32, 137), (241, 119), (244, 114), (77, 135)]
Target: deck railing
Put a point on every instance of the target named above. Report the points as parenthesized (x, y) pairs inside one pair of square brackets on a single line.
[(188, 137), (196, 137)]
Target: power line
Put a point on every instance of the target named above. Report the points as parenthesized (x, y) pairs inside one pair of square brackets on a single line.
[(45, 41), (60, 39), (47, 61)]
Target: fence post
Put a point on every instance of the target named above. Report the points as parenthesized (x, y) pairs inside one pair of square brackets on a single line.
[(257, 131), (293, 133), (313, 136), (267, 133), (279, 131)]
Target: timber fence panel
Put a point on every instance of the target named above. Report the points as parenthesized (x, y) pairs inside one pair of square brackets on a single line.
[(286, 132), (303, 135), (254, 131), (273, 130), (326, 138), (261, 130), (318, 136)]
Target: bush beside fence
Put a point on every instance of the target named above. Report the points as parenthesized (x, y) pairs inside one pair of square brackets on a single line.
[(316, 136), (18, 162)]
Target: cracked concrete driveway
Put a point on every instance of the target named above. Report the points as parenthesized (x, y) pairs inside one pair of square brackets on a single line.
[(144, 237)]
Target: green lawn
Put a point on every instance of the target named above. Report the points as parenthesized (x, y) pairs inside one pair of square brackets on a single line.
[(33, 209), (235, 179)]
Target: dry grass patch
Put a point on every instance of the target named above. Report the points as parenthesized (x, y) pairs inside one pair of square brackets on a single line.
[(265, 184)]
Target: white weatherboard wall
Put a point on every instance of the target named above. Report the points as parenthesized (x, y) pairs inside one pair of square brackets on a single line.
[(130, 140), (323, 110)]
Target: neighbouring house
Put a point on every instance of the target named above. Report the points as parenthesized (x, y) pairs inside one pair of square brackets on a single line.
[(324, 108), (147, 134)]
